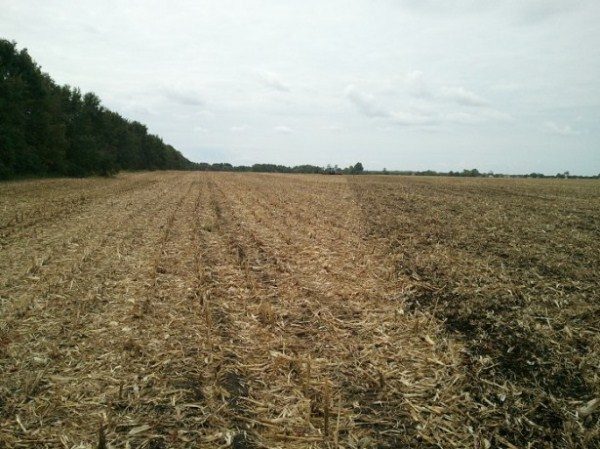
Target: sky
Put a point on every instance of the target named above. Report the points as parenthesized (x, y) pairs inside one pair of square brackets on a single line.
[(508, 86)]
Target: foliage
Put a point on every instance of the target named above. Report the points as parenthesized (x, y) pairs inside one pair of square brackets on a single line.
[(46, 129), (260, 168)]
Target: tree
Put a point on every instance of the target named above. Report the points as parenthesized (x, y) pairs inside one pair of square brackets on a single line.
[(470, 173), (50, 129), (358, 168)]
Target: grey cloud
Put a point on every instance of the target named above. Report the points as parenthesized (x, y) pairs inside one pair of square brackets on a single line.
[(333, 128), (416, 84), (465, 118), (273, 81), (507, 87), (494, 114), (441, 7), (516, 11), (462, 96), (365, 103), (534, 11), (413, 119), (283, 129), (428, 116), (239, 128), (419, 87), (369, 106), (561, 130), (183, 97), (480, 116)]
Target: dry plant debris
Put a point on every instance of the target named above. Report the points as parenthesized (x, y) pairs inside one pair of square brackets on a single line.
[(160, 310)]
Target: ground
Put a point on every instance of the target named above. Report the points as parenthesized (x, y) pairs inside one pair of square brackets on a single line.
[(191, 309)]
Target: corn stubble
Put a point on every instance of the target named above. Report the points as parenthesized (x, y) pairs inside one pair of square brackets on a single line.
[(159, 310)]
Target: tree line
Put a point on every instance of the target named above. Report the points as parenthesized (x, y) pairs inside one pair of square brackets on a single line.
[(52, 130), (275, 168), (474, 173), (358, 169)]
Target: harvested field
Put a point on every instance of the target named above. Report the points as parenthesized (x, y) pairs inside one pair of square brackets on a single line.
[(193, 309)]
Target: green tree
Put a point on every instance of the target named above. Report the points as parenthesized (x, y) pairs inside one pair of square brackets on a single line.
[(358, 168), (51, 129)]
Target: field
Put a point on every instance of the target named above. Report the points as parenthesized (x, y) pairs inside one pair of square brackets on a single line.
[(190, 309)]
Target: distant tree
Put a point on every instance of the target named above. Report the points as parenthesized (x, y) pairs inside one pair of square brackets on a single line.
[(358, 168), (222, 167), (307, 169), (470, 173)]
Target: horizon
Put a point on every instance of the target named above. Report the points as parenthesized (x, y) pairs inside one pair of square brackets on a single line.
[(406, 86)]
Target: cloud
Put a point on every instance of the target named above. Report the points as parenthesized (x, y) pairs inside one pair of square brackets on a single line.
[(480, 116), (239, 128), (273, 81), (534, 11), (200, 129), (494, 114), (369, 106), (417, 86), (333, 128), (283, 129), (445, 7), (183, 96), (562, 130), (464, 118), (426, 116), (365, 103), (462, 96), (412, 119), (517, 11), (507, 87)]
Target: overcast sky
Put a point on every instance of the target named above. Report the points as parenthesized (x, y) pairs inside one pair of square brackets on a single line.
[(509, 86)]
